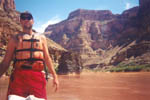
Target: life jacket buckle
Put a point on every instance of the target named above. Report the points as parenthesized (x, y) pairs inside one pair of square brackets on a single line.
[(26, 67)]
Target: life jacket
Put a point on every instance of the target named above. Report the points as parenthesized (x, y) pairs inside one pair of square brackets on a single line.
[(29, 52)]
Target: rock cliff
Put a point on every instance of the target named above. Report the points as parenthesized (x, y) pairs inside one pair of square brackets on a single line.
[(91, 14), (9, 25), (7, 4), (103, 38)]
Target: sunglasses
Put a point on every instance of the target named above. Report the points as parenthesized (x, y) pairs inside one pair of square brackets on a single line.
[(26, 17)]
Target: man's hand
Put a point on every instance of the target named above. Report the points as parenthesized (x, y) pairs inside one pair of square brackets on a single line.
[(56, 84)]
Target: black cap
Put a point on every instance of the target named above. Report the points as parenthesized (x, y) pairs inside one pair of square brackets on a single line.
[(26, 14)]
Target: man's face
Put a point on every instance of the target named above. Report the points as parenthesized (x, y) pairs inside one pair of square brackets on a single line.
[(26, 21)]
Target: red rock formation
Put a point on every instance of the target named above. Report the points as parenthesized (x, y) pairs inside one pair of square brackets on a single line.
[(144, 19), (7, 4), (143, 2), (91, 14), (101, 37)]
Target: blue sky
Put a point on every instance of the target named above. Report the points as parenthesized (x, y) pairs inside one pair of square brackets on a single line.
[(47, 12)]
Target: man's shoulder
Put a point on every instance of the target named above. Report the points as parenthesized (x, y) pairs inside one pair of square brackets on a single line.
[(16, 36), (41, 35)]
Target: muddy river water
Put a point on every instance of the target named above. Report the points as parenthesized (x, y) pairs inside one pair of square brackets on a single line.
[(96, 86)]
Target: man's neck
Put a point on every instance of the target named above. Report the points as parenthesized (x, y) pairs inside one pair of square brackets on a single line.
[(28, 32)]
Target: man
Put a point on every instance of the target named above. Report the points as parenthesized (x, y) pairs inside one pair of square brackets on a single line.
[(29, 52)]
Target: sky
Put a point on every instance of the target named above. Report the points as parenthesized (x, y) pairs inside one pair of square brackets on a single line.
[(46, 12)]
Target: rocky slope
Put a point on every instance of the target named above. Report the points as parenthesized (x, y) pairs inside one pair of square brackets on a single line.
[(103, 38), (138, 51)]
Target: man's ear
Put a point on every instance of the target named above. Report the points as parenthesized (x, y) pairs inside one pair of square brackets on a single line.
[(33, 21)]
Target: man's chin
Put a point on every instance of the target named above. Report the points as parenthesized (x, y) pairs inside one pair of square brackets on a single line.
[(28, 27)]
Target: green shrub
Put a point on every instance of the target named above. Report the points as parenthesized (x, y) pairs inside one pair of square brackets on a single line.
[(130, 68)]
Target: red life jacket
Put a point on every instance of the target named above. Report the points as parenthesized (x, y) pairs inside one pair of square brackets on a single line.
[(29, 52)]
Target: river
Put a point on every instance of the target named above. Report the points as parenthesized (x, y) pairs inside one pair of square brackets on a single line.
[(96, 86)]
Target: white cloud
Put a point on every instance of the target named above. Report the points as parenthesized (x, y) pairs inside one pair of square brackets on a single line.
[(127, 5), (41, 27)]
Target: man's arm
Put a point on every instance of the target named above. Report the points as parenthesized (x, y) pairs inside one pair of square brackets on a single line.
[(8, 56), (49, 64)]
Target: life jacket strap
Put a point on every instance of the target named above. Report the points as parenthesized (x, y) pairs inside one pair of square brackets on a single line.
[(30, 49), (31, 40), (26, 67), (29, 59)]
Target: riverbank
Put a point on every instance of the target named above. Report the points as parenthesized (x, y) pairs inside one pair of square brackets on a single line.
[(137, 68), (121, 68)]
